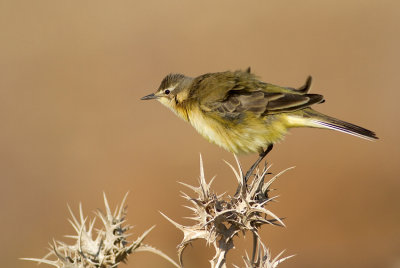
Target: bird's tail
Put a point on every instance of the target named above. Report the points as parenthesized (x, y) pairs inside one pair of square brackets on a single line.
[(320, 120)]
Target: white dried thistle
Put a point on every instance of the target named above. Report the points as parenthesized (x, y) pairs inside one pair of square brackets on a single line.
[(218, 218), (108, 249), (264, 258)]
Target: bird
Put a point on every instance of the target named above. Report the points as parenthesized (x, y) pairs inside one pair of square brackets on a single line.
[(242, 114)]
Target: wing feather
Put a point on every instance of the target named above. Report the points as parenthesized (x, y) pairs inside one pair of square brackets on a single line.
[(230, 94)]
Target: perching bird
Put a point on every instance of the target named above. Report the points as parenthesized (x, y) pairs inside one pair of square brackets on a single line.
[(242, 114)]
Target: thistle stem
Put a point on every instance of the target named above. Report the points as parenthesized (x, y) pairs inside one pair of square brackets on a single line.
[(255, 243)]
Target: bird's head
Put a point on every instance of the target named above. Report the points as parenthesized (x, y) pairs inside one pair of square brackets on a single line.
[(174, 89)]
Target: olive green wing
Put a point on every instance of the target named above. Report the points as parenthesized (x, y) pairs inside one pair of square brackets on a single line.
[(238, 94), (261, 104)]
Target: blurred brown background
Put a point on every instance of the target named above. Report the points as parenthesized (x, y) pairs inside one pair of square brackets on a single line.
[(72, 124)]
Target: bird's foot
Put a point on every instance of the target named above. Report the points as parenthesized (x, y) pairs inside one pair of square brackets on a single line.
[(249, 173)]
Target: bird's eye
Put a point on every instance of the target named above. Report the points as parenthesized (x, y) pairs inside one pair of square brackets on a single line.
[(167, 91)]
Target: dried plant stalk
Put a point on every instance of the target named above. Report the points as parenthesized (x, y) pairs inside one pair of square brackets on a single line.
[(264, 258), (108, 249), (218, 218)]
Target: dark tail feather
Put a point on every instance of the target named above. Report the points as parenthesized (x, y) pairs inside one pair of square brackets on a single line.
[(335, 124)]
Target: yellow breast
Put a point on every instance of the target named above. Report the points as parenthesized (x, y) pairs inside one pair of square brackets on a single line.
[(249, 135)]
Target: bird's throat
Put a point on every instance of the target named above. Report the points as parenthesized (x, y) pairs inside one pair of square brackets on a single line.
[(182, 111)]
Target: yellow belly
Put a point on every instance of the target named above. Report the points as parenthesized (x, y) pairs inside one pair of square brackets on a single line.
[(247, 136)]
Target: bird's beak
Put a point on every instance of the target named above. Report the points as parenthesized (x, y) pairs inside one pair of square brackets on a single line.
[(150, 97)]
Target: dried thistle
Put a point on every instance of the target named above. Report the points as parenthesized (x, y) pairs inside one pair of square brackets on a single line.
[(263, 258), (108, 249), (218, 219)]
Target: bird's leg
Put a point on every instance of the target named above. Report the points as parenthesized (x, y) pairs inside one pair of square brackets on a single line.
[(261, 157), (252, 168)]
